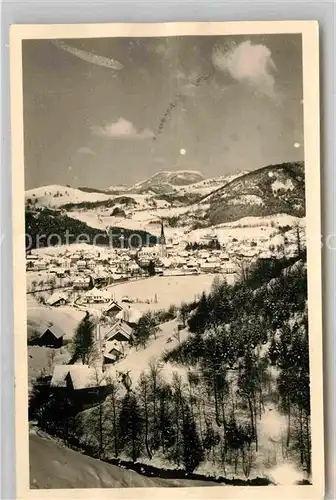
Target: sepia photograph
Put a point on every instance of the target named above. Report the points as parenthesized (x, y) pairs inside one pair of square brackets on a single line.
[(167, 281)]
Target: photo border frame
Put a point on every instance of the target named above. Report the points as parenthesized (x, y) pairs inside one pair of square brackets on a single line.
[(309, 30)]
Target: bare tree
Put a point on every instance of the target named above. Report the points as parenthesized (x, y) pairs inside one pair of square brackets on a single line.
[(113, 402), (144, 395)]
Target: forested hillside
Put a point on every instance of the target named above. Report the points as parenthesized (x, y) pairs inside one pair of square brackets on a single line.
[(45, 227), (267, 191), (238, 400)]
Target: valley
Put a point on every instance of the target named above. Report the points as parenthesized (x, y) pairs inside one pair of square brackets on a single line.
[(172, 296)]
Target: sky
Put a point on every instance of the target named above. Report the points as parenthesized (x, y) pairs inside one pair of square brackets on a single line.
[(108, 111)]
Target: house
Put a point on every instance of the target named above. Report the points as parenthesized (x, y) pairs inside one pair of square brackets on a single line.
[(112, 355), (112, 309), (31, 257), (130, 316), (40, 266), (87, 385), (81, 283), (228, 267), (126, 299), (61, 273), (101, 277), (209, 267), (97, 296), (120, 332), (51, 337), (30, 265), (77, 377), (31, 261), (57, 299), (81, 265)]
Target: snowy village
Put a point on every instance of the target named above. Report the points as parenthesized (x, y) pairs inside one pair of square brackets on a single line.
[(166, 266)]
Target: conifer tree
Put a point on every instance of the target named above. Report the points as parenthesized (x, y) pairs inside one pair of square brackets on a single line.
[(193, 453), (131, 426), (83, 345), (200, 318)]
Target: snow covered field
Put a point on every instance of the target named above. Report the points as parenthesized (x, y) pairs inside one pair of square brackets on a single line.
[(55, 196), (167, 289), (65, 317), (144, 219), (138, 361), (41, 360)]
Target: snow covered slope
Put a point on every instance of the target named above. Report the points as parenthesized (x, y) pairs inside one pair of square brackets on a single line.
[(169, 179), (55, 466), (266, 191), (137, 361), (207, 186), (55, 196)]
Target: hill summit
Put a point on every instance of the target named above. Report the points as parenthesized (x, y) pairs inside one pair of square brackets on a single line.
[(169, 178), (267, 191)]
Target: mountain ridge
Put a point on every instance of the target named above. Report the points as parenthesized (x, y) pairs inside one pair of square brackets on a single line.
[(269, 190)]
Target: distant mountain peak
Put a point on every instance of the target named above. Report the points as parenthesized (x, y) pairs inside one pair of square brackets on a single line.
[(169, 180)]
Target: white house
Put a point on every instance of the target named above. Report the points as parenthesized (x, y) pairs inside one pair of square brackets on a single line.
[(81, 265), (95, 295), (209, 267)]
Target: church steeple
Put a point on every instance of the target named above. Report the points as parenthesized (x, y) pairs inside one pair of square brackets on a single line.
[(163, 241), (162, 237)]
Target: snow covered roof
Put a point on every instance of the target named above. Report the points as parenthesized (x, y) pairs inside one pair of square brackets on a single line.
[(130, 315), (209, 265), (113, 354), (95, 292), (120, 326), (112, 305), (55, 330), (82, 376), (55, 297), (82, 280)]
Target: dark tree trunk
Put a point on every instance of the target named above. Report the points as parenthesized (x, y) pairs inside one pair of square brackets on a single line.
[(116, 448), (100, 429), (146, 427), (218, 422), (288, 425)]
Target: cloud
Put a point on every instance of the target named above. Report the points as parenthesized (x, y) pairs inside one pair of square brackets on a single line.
[(249, 63), (123, 129), (85, 151), (89, 57)]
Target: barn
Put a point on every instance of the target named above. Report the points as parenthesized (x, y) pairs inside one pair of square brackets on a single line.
[(112, 355), (86, 385), (51, 337), (120, 332), (57, 299), (113, 309)]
